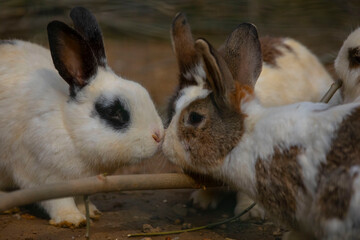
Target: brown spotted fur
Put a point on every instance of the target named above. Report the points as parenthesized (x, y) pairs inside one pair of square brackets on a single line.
[(279, 180), (335, 181), (270, 49)]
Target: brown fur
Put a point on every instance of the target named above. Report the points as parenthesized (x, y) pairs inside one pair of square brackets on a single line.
[(335, 181), (209, 142), (241, 93), (270, 49), (186, 56), (354, 57), (278, 181), (183, 44), (242, 54)]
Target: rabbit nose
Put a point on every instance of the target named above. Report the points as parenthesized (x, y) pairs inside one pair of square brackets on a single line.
[(156, 136)]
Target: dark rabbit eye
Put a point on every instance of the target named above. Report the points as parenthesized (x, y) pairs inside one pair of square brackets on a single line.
[(195, 118), (354, 56), (114, 113)]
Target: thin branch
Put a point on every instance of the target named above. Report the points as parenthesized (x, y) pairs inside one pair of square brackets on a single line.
[(86, 202), (211, 225), (334, 87), (97, 184)]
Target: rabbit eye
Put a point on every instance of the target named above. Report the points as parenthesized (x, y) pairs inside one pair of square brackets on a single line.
[(195, 118), (114, 113), (354, 56)]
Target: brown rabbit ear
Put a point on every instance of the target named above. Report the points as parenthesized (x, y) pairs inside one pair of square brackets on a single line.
[(242, 53), (218, 76), (183, 45)]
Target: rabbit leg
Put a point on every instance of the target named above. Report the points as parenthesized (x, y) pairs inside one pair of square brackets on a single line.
[(242, 202), (209, 198), (64, 213), (94, 212)]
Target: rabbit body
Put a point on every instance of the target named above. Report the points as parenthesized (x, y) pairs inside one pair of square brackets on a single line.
[(300, 162), (49, 134), (291, 73)]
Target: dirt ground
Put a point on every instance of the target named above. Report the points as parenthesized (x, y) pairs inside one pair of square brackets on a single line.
[(153, 65)]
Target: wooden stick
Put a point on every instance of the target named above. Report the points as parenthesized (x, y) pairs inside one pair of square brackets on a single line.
[(334, 87), (87, 215), (97, 184)]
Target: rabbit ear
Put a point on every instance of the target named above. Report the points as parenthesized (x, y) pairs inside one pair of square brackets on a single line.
[(218, 76), (183, 45), (85, 23), (72, 56), (242, 53)]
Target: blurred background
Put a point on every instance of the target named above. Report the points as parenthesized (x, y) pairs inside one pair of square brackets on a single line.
[(137, 39)]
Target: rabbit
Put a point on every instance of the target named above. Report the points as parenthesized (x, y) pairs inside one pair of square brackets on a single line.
[(66, 115), (347, 66), (300, 162), (290, 73)]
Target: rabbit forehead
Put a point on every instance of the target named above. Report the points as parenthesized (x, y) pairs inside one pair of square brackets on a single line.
[(189, 95), (110, 86)]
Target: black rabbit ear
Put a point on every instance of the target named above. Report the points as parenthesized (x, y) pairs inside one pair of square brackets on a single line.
[(72, 56), (86, 24), (183, 45)]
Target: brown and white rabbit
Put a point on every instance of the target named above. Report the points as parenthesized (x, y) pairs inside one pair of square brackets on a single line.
[(73, 120), (347, 66), (300, 162), (290, 73)]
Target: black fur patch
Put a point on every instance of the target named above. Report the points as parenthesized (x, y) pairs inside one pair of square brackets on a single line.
[(354, 57), (11, 42), (114, 112), (85, 23)]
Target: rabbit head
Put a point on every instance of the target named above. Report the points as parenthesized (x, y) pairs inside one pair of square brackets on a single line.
[(108, 117), (208, 121), (347, 66)]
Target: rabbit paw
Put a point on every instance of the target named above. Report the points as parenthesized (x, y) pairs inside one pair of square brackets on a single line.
[(94, 212), (242, 202), (206, 199), (68, 219)]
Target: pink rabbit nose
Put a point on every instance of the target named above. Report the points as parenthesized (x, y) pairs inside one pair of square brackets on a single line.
[(156, 136)]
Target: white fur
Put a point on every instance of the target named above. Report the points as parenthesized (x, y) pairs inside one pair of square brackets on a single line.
[(46, 137), (298, 76), (350, 77)]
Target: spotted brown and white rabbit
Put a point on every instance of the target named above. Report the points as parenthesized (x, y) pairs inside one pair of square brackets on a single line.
[(300, 162), (290, 73), (65, 114), (347, 66)]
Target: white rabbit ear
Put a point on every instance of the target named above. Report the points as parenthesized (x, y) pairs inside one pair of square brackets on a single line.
[(86, 24), (72, 56), (242, 53), (183, 45)]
